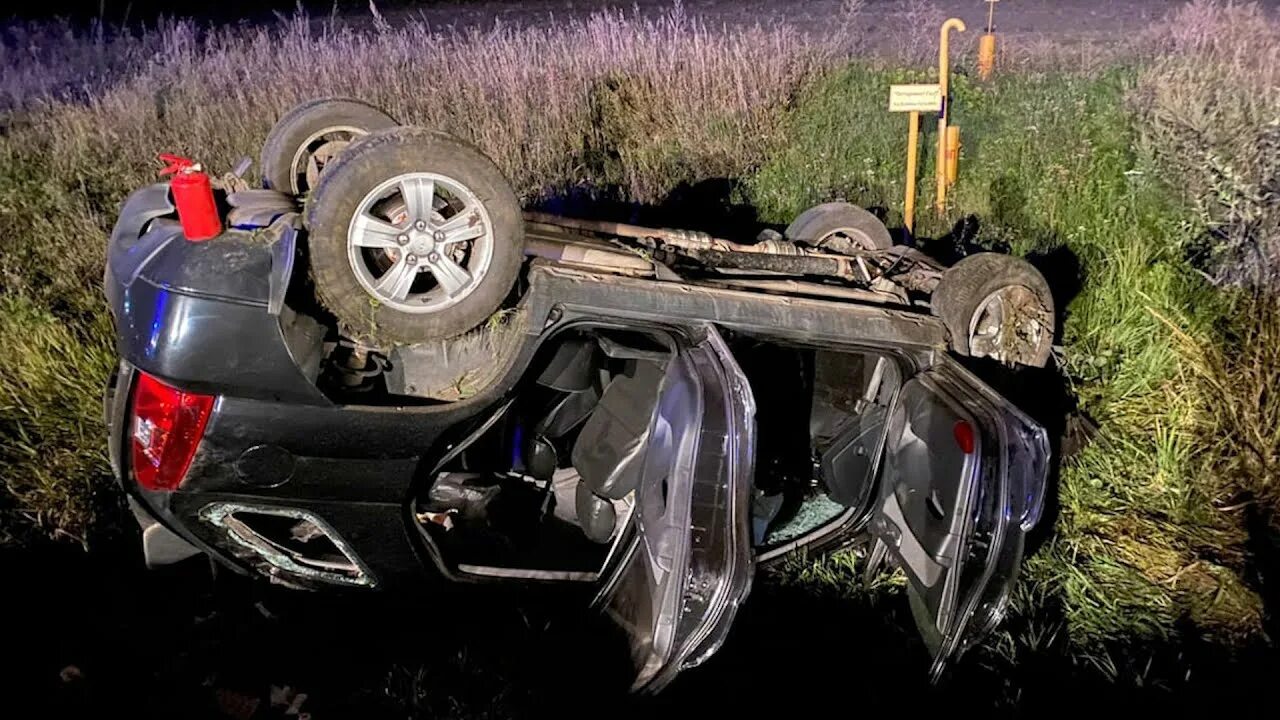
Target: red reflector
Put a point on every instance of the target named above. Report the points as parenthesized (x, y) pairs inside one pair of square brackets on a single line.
[(963, 432), (167, 426)]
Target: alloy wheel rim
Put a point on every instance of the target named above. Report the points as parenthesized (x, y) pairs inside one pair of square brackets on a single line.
[(1010, 325), (313, 154), (420, 242)]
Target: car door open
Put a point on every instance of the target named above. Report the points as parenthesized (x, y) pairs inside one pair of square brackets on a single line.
[(689, 562), (962, 481)]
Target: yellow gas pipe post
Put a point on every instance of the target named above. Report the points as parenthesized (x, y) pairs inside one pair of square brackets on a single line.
[(953, 154), (913, 142), (987, 44), (944, 71)]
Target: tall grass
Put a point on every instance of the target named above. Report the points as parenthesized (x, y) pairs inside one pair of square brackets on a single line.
[(1210, 104), (1211, 117), (44, 60), (536, 99), (1141, 182)]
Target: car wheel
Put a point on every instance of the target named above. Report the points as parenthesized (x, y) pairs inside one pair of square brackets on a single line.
[(997, 306), (839, 227), (414, 235), (310, 136)]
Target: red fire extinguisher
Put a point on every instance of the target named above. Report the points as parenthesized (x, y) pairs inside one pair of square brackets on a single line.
[(193, 196)]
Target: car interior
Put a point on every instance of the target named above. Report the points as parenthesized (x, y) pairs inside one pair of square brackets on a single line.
[(544, 486), (812, 479)]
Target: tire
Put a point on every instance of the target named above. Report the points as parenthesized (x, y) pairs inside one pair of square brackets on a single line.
[(839, 227), (348, 273), (965, 290), (327, 125)]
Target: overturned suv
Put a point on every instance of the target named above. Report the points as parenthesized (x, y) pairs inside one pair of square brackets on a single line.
[(382, 367)]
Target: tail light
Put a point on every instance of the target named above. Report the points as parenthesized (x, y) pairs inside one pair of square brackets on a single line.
[(167, 426)]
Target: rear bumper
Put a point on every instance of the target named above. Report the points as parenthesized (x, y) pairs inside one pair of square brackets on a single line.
[(160, 545), (360, 501)]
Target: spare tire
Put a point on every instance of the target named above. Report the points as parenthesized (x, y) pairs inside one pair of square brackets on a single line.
[(839, 227), (997, 306), (413, 235), (310, 136)]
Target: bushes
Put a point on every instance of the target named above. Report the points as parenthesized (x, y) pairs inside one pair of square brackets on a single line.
[(1210, 110)]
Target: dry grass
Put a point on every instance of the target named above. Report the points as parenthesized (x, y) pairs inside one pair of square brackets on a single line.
[(537, 100), (1211, 109), (44, 60), (1240, 374)]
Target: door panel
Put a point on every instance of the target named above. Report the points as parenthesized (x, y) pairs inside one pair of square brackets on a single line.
[(690, 565), (962, 481), (849, 461), (924, 511)]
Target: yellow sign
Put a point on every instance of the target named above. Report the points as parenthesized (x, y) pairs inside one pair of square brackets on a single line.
[(915, 98)]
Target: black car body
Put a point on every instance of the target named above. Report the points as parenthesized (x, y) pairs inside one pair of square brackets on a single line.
[(632, 435)]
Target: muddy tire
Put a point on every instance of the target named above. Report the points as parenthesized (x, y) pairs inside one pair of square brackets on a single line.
[(997, 306), (839, 227), (309, 137), (414, 235)]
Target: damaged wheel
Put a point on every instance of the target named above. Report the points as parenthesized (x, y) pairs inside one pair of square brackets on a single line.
[(414, 235), (839, 227), (997, 306), (310, 136)]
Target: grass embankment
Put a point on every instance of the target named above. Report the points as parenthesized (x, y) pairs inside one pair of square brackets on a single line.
[(1151, 539), (1050, 171)]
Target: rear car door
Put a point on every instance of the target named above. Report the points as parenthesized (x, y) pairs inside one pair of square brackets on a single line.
[(689, 564), (962, 482)]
